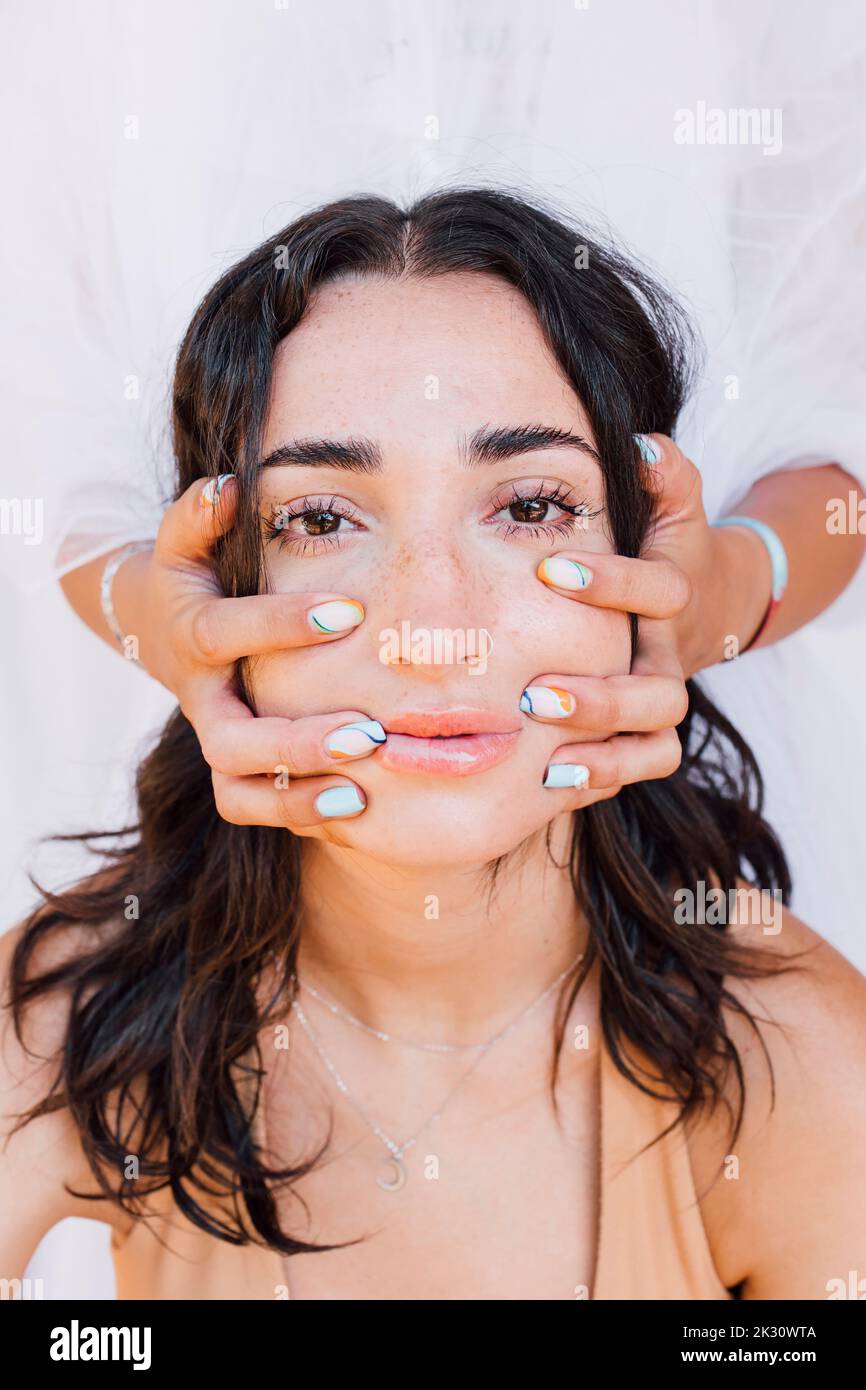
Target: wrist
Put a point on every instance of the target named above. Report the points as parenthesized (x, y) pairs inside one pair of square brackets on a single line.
[(127, 597), (745, 589), (733, 598)]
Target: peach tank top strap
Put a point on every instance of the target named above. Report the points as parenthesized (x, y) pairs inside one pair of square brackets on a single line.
[(652, 1240)]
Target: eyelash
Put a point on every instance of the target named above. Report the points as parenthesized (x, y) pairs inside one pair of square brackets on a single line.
[(306, 506), (555, 493)]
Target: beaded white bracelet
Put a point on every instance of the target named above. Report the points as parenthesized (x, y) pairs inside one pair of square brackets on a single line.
[(105, 596)]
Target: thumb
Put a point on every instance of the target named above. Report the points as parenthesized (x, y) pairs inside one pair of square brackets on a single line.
[(673, 479), (198, 518), (657, 653)]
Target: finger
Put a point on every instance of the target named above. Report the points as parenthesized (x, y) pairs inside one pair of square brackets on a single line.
[(238, 743), (650, 588), (618, 762), (298, 806), (611, 704), (197, 519), (224, 630)]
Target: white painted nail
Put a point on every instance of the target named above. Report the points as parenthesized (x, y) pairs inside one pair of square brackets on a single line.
[(355, 740), (337, 616), (573, 775), (339, 801), (547, 701), (564, 573)]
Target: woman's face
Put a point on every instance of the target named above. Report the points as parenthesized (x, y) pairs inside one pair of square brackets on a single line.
[(434, 512)]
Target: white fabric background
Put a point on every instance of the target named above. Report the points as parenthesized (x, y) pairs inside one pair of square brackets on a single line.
[(249, 113)]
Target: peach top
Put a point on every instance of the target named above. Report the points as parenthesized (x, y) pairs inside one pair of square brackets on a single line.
[(651, 1243)]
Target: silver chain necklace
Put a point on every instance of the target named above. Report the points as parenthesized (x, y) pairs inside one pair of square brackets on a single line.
[(398, 1151), (339, 1012)]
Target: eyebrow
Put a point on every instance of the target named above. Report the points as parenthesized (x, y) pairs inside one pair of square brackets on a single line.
[(357, 455), (489, 445), (486, 445)]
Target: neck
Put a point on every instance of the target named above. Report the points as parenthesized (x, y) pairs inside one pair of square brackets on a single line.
[(443, 954)]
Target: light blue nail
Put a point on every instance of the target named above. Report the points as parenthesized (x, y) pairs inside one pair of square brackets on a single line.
[(339, 801), (572, 775), (211, 491), (649, 450)]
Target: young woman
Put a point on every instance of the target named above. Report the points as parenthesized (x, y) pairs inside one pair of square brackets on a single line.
[(453, 1036)]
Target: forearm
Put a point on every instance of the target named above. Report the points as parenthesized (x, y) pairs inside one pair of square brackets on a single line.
[(822, 558), (82, 589)]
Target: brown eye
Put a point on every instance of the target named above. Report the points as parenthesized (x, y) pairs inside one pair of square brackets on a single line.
[(529, 509), (319, 523), (311, 524)]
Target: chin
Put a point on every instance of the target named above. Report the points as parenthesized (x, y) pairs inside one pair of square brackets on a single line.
[(424, 822)]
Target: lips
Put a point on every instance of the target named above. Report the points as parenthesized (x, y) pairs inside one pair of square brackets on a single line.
[(457, 742), (457, 719)]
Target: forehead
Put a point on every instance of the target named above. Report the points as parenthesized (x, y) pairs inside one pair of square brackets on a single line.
[(450, 352)]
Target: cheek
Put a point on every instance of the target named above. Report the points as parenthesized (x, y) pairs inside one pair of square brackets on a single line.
[(554, 636), (313, 680), (550, 634)]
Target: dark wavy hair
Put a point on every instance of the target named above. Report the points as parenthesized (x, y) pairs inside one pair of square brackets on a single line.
[(164, 1011)]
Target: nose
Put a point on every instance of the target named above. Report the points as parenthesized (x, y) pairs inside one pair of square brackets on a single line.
[(436, 607)]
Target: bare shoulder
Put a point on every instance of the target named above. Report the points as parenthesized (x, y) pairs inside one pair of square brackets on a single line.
[(787, 1215), (41, 1158)]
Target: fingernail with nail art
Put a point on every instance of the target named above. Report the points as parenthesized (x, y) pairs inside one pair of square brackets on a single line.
[(649, 450), (563, 573), (211, 491), (339, 801), (547, 701), (355, 740), (337, 616), (573, 775)]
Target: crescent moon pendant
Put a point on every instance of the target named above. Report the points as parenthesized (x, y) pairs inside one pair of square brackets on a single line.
[(398, 1179)]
